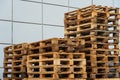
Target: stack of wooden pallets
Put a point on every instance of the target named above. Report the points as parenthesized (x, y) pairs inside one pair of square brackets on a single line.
[(89, 50), (98, 26), (56, 59), (15, 62), (56, 66), (8, 53)]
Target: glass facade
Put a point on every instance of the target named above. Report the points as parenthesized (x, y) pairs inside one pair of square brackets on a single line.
[(34, 20)]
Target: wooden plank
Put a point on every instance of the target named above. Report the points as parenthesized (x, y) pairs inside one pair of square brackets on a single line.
[(108, 79)]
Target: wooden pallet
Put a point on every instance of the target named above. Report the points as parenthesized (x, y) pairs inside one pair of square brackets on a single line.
[(100, 62), (56, 55), (98, 70), (50, 76), (92, 20), (49, 69), (54, 45), (50, 62), (101, 52), (57, 48), (97, 33), (55, 69), (89, 19), (89, 29), (97, 64), (66, 62), (94, 7), (95, 38), (97, 14), (20, 46), (104, 75), (56, 41), (109, 51), (100, 45)]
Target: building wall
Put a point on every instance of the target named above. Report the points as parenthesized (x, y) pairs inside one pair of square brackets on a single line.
[(34, 20)]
